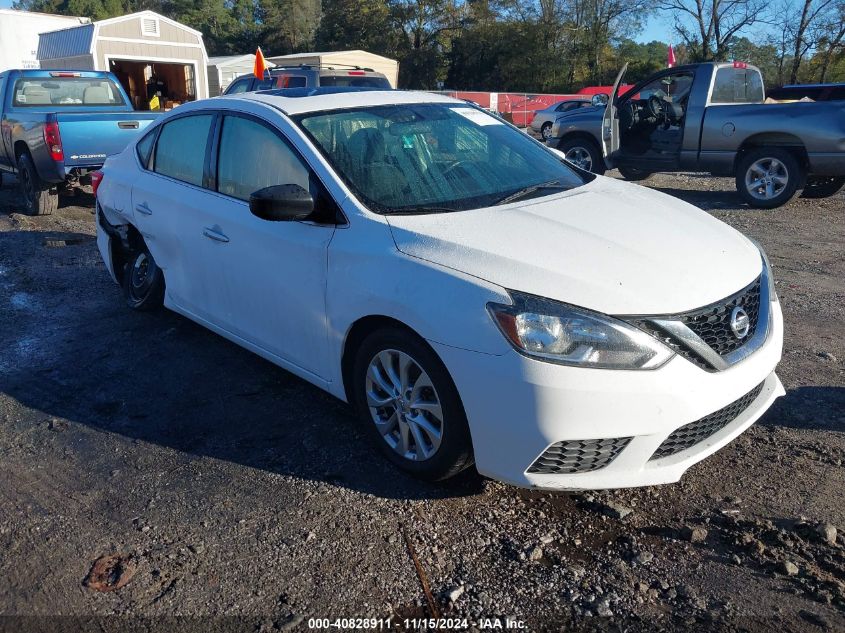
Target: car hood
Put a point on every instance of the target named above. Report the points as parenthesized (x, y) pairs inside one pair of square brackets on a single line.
[(609, 246)]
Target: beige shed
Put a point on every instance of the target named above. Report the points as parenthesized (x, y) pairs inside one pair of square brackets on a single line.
[(344, 59), (151, 55)]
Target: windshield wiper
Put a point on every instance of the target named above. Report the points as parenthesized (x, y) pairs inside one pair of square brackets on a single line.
[(527, 191)]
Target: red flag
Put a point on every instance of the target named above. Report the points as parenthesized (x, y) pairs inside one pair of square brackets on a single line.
[(671, 60), (260, 66)]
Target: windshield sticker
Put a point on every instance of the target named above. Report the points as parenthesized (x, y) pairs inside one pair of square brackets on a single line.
[(477, 116)]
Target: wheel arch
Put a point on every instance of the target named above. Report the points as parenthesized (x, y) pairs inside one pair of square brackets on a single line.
[(355, 335), (578, 135), (783, 140)]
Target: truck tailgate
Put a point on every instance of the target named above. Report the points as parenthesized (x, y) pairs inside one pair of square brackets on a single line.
[(88, 138)]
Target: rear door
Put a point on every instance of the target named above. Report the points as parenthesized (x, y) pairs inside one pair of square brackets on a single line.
[(610, 122), (170, 205)]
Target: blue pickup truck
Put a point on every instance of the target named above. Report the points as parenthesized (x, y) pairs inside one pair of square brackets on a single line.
[(57, 126)]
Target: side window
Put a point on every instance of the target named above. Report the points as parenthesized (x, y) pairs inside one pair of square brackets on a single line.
[(181, 148), (239, 85), (252, 156), (264, 84), (291, 81), (737, 85), (144, 148)]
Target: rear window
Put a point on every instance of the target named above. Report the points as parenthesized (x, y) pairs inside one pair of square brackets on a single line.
[(737, 85), (66, 91), (355, 81)]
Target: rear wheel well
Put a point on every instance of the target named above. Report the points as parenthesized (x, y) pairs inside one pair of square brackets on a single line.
[(362, 328), (783, 140), (21, 148), (126, 239)]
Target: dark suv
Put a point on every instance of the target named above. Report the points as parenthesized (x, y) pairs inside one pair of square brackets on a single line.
[(310, 77)]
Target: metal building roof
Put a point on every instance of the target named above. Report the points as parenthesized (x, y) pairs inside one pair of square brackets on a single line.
[(66, 42)]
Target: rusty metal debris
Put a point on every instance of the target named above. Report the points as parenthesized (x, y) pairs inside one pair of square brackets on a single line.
[(429, 598), (111, 572)]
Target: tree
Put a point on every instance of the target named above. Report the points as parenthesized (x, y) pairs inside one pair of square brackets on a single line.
[(708, 26)]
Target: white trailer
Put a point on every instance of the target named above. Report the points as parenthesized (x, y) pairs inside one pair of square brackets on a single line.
[(19, 32)]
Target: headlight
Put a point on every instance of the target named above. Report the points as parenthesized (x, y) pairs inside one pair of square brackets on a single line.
[(560, 333)]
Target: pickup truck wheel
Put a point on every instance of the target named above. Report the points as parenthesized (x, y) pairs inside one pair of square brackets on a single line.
[(634, 174), (38, 198), (583, 153), (768, 177), (143, 281), (823, 186), (404, 395)]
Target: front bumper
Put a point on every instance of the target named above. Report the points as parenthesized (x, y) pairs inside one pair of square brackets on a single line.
[(518, 407)]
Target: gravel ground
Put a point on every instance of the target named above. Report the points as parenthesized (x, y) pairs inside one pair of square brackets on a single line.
[(198, 471)]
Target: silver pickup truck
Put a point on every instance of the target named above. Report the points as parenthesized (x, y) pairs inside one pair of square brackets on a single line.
[(712, 117)]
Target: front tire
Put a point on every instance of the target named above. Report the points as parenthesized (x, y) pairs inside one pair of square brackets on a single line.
[(583, 153), (39, 198), (823, 186), (768, 177), (143, 281), (633, 174), (405, 397)]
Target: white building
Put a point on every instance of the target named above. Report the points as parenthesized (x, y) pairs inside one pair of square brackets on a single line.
[(224, 70), (19, 32)]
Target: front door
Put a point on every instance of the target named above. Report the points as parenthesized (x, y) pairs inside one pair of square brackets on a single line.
[(651, 119), (274, 273)]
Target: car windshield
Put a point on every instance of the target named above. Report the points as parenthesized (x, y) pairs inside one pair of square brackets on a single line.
[(66, 91), (435, 157)]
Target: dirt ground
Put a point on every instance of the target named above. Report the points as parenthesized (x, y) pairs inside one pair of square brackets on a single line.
[(231, 495)]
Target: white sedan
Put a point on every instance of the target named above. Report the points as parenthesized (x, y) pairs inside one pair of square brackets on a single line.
[(473, 296)]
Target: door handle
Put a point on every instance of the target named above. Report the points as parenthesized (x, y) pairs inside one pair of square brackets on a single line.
[(215, 235), (143, 209), (128, 125)]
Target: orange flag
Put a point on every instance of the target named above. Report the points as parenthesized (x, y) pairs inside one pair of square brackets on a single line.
[(260, 66)]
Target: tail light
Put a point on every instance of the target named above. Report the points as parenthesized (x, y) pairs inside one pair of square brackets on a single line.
[(53, 140), (357, 72), (96, 179)]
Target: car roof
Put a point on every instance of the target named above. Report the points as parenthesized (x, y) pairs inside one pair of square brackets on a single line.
[(301, 100)]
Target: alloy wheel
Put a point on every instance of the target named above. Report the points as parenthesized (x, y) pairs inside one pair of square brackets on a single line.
[(580, 157), (546, 131), (404, 405), (766, 178)]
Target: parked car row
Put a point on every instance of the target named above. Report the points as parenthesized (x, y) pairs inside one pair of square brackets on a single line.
[(474, 296)]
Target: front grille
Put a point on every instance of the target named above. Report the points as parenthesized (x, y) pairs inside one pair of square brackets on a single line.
[(694, 432), (676, 346), (713, 323), (578, 456)]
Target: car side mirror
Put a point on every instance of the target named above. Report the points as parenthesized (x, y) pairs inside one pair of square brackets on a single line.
[(599, 100), (281, 203)]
